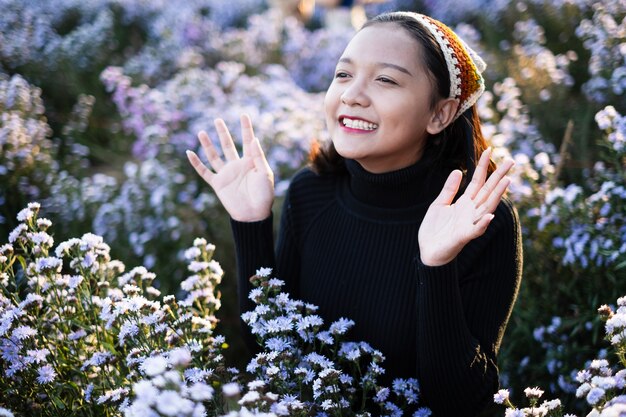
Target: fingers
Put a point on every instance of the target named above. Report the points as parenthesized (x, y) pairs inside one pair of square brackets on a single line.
[(210, 152), (494, 179), (450, 188), (200, 168), (480, 174), (251, 145), (228, 146), (247, 134), (258, 156), (491, 203)]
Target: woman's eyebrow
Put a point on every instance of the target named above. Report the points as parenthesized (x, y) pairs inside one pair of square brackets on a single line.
[(381, 64)]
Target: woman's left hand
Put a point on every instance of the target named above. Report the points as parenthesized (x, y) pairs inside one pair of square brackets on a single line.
[(448, 227)]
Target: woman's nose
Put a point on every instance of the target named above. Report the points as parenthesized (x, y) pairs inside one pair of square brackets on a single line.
[(354, 95)]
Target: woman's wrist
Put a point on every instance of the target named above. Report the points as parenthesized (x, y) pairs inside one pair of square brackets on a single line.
[(439, 257), (250, 219)]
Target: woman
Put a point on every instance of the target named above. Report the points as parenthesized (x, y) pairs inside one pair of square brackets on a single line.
[(383, 228)]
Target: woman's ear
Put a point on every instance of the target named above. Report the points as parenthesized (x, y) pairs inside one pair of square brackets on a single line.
[(444, 113)]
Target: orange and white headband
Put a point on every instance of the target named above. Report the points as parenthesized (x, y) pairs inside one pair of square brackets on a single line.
[(464, 65)]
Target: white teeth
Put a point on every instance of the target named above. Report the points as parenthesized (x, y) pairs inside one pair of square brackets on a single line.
[(358, 124)]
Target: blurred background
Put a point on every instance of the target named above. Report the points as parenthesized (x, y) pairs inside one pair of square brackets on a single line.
[(99, 99)]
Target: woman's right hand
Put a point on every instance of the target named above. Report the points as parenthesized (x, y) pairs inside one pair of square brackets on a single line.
[(244, 185)]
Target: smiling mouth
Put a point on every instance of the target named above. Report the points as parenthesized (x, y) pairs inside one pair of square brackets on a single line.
[(358, 124)]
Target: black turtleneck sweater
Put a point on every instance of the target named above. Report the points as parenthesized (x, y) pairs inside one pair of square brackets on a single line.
[(348, 244)]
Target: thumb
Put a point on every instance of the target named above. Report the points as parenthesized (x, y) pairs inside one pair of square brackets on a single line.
[(450, 188)]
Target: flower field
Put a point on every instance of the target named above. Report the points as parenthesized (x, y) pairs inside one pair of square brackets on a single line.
[(111, 302)]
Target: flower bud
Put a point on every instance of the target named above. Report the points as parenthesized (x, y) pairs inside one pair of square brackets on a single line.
[(605, 312)]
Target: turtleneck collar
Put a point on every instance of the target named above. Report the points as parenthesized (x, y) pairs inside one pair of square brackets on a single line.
[(407, 187)]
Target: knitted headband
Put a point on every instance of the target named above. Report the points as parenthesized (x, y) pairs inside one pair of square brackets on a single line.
[(464, 65)]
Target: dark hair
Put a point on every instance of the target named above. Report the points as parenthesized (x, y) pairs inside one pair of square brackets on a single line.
[(458, 146)]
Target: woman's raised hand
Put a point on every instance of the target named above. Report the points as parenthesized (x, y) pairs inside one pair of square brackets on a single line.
[(448, 227), (244, 185)]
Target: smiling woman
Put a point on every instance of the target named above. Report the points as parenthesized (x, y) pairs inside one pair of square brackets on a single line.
[(378, 108), (384, 227)]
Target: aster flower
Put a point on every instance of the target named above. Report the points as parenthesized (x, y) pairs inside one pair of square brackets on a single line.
[(501, 396), (46, 374), (533, 392)]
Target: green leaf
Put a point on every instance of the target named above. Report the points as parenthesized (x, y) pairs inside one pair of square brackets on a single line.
[(58, 403)]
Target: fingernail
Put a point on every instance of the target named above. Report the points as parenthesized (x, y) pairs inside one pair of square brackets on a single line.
[(188, 152)]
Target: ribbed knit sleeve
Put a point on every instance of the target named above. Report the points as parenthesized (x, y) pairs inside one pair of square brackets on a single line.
[(254, 248), (463, 308)]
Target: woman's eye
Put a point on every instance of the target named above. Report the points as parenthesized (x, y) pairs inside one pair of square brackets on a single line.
[(341, 74), (386, 80)]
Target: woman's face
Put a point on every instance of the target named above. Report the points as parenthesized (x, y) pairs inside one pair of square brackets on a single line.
[(378, 105)]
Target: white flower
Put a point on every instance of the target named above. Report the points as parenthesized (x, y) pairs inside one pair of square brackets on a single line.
[(275, 283), (533, 392), (17, 232), (254, 385), (171, 403), (341, 326), (190, 282), (501, 396), (23, 332), (97, 359), (196, 374), (599, 364), (535, 411), (200, 241), (46, 374), (595, 395), (192, 253), (264, 272), (179, 356), (381, 395), (272, 370), (583, 389), (41, 239), (43, 222), (89, 260), (51, 263), (5, 413), (354, 354), (196, 266), (74, 281), (328, 405), (552, 404), (255, 294), (604, 382), (201, 392), (37, 355), (583, 376), (279, 324), (308, 322), (325, 337), (249, 397), (154, 365), (231, 389), (216, 268), (318, 359), (25, 215), (147, 392), (127, 329), (131, 289)]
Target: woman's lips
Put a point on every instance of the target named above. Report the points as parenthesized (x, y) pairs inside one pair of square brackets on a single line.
[(357, 124)]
